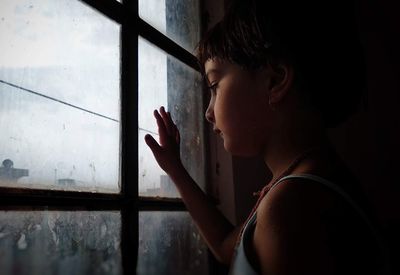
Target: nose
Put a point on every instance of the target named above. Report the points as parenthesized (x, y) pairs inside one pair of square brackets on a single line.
[(210, 112)]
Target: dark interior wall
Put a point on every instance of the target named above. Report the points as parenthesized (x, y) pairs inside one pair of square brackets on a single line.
[(369, 142), (380, 33)]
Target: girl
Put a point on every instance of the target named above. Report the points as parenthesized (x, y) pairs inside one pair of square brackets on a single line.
[(280, 74)]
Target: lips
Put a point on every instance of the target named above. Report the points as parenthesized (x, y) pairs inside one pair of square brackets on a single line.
[(217, 131)]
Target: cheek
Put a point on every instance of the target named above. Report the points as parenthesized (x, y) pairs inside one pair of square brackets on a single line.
[(248, 113), (239, 111), (227, 115), (247, 135)]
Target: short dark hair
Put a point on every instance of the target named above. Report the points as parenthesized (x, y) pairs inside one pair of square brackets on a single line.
[(318, 38)]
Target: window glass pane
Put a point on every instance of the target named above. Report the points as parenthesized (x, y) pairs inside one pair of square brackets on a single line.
[(165, 81), (60, 242), (169, 243), (178, 19), (59, 96)]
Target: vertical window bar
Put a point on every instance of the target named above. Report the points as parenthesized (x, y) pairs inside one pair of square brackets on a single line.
[(129, 136), (129, 102)]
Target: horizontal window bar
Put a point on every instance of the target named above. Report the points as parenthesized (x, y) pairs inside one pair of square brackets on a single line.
[(110, 8), (160, 204), (73, 204), (32, 192), (160, 40), (27, 198), (39, 197), (61, 207)]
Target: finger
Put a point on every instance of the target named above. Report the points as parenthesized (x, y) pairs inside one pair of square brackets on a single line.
[(166, 120), (174, 128), (162, 130), (152, 143), (170, 118)]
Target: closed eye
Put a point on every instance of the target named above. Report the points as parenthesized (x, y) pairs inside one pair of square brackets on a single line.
[(213, 87)]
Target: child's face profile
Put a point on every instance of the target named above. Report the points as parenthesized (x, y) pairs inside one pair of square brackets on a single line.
[(238, 109)]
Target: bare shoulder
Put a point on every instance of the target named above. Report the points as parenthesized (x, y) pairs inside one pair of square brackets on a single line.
[(295, 195), (289, 230)]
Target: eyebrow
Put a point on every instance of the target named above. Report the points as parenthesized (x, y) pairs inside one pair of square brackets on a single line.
[(211, 71)]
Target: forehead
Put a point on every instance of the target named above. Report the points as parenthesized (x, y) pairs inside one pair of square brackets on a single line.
[(214, 64), (222, 67)]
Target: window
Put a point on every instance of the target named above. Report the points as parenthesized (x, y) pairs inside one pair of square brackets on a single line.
[(80, 193)]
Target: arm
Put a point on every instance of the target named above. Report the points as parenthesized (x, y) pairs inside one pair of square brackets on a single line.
[(290, 236), (216, 230)]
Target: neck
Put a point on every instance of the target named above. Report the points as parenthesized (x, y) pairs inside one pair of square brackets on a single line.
[(290, 143)]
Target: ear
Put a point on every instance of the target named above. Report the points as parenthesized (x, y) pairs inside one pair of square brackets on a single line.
[(280, 82)]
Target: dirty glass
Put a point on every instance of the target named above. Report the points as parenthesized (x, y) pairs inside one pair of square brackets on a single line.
[(164, 81), (177, 19), (60, 242), (169, 243), (59, 96)]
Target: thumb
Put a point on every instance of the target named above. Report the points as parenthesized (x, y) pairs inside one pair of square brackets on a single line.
[(152, 143)]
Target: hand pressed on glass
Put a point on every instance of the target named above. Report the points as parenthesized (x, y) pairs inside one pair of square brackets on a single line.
[(209, 219), (166, 152)]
